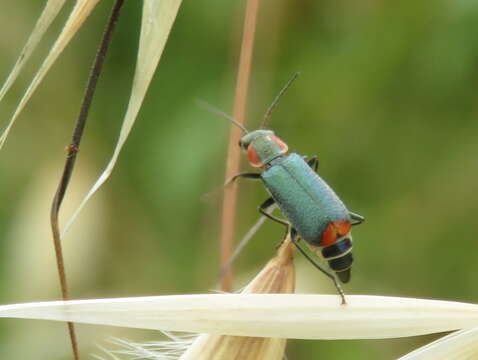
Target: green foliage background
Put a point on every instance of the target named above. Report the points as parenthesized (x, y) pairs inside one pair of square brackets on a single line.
[(387, 99)]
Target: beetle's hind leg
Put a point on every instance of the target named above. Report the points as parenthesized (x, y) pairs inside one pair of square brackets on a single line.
[(313, 162), (356, 218), (295, 239), (263, 210)]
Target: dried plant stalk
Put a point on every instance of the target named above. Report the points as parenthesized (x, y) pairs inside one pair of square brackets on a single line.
[(71, 157), (277, 277), (233, 153)]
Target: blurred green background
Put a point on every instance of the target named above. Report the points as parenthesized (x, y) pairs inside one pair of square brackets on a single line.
[(387, 99)]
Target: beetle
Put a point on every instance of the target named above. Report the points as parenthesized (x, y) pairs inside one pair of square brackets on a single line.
[(314, 211)]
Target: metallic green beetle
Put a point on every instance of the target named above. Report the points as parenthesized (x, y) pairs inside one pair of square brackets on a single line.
[(314, 212)]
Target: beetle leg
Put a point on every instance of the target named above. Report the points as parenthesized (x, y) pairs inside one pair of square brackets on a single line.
[(295, 239), (356, 218), (313, 162), (263, 210), (253, 176)]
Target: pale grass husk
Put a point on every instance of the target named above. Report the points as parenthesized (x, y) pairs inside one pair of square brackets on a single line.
[(277, 277), (274, 317), (460, 345), (294, 316)]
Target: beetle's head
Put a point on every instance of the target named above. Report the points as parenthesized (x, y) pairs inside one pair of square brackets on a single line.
[(262, 146)]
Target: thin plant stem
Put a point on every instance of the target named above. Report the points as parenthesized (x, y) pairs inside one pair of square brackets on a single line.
[(245, 240), (233, 154), (72, 151)]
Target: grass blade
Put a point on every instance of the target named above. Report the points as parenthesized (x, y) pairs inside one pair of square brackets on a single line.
[(49, 13), (77, 17), (461, 345), (158, 18), (264, 315)]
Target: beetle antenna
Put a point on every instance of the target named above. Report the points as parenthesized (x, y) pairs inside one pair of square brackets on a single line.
[(216, 111), (277, 98)]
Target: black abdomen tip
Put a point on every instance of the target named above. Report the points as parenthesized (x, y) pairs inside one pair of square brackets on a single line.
[(344, 276), (341, 266)]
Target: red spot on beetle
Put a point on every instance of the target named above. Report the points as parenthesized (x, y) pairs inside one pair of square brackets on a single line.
[(343, 227), (334, 230), (282, 145), (254, 159)]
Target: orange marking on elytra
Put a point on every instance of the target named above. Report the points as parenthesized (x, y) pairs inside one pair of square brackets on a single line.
[(343, 227), (334, 230)]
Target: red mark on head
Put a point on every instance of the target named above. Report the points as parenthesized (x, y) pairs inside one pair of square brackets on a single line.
[(254, 159), (282, 145)]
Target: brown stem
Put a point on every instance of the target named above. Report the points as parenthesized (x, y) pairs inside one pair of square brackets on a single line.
[(73, 149), (233, 155)]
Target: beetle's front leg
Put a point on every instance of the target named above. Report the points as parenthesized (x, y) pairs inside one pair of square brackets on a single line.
[(245, 175), (356, 218)]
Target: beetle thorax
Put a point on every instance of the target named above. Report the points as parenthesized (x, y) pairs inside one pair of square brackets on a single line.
[(262, 147)]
